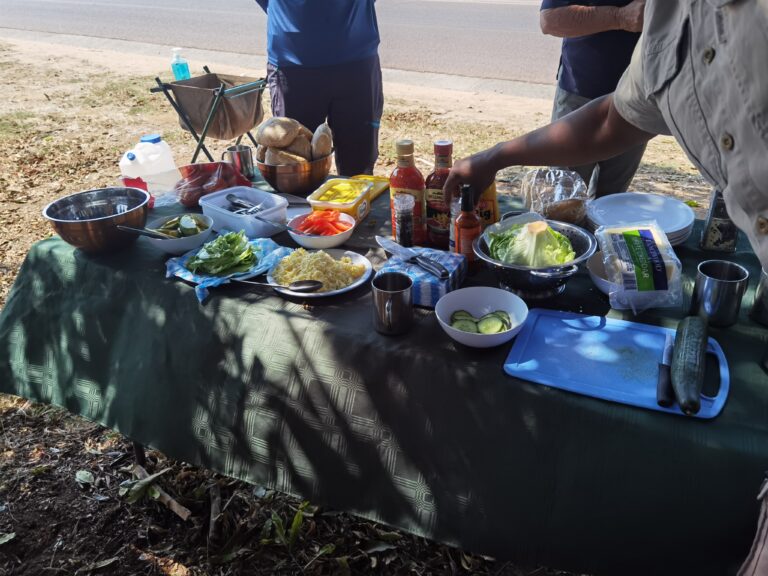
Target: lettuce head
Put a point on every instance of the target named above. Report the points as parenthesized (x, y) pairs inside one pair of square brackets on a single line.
[(534, 244)]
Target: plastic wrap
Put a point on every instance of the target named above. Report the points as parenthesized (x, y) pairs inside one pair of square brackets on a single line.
[(556, 194), (641, 266), (201, 179)]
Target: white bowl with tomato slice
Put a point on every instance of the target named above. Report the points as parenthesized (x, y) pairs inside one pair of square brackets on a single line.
[(322, 229)]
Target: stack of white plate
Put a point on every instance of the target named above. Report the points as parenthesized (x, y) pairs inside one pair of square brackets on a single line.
[(673, 216)]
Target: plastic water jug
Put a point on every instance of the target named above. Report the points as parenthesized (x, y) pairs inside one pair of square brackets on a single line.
[(150, 166)]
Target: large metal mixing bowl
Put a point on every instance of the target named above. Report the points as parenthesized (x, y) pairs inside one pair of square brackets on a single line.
[(88, 220), (297, 179), (537, 283)]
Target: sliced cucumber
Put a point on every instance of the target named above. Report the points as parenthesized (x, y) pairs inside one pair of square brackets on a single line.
[(465, 325), (504, 317), (491, 324), (462, 315)]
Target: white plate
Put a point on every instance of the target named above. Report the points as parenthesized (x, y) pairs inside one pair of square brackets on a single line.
[(673, 216), (335, 253)]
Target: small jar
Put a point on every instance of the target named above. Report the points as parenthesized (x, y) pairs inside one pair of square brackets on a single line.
[(404, 205)]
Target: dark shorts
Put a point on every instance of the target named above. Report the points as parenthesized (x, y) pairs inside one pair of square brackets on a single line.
[(349, 96)]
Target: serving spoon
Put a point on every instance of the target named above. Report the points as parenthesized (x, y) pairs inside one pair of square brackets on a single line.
[(298, 286), (145, 232)]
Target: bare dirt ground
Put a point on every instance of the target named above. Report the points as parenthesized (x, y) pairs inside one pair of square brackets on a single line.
[(66, 117)]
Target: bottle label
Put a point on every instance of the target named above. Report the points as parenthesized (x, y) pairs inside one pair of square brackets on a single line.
[(438, 217), (464, 239), (443, 162), (419, 214)]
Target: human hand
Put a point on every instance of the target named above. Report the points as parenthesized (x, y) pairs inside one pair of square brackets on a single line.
[(631, 16), (477, 170)]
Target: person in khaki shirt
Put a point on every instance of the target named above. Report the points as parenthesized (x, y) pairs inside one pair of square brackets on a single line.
[(698, 73)]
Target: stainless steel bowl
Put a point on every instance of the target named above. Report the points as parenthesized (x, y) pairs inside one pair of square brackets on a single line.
[(88, 220), (538, 283), (297, 179)]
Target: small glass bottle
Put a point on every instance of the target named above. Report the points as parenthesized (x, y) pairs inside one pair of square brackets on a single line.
[(467, 227), (179, 66), (404, 205), (720, 233), (455, 211), (438, 210)]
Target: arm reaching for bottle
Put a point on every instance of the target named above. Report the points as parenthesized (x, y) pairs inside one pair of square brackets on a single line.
[(592, 133)]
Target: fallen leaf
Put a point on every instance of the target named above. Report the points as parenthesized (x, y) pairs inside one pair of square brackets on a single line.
[(84, 477), (377, 546), (7, 537)]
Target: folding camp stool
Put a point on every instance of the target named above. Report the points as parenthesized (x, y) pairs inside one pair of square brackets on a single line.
[(218, 106)]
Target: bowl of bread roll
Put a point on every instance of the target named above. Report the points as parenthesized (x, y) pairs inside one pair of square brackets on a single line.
[(290, 157)]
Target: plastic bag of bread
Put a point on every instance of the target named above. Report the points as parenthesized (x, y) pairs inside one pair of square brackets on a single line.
[(197, 180), (641, 266), (556, 194)]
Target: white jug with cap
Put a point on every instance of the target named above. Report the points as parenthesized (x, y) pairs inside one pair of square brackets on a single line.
[(150, 166)]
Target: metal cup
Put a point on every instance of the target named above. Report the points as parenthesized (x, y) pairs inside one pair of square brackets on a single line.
[(241, 156), (392, 303), (717, 294), (759, 312)]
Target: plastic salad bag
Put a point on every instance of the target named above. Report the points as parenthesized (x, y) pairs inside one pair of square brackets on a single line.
[(641, 266), (556, 194)]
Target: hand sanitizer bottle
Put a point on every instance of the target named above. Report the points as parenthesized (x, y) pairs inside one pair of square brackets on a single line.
[(179, 66)]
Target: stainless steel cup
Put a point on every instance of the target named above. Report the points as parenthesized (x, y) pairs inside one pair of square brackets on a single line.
[(717, 294), (759, 312), (241, 156), (392, 303)]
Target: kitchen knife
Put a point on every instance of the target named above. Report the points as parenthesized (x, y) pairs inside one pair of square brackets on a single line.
[(665, 395), (407, 255)]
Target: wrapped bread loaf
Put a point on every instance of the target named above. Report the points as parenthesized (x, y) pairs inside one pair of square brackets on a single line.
[(277, 132), (301, 146), (261, 152), (322, 141)]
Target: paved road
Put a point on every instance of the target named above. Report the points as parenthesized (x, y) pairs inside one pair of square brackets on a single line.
[(480, 38)]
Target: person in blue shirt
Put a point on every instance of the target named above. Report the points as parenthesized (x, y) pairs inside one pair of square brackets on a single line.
[(323, 64), (598, 39)]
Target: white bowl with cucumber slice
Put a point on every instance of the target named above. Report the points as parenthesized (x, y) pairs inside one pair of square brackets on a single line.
[(480, 316)]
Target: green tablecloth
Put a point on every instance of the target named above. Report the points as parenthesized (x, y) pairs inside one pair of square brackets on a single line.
[(414, 431)]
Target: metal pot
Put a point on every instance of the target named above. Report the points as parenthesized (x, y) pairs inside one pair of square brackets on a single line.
[(297, 179), (88, 220), (538, 283)]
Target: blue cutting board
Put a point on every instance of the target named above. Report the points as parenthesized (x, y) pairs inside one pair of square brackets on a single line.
[(605, 358)]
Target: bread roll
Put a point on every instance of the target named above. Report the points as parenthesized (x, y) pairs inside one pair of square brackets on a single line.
[(277, 132), (322, 142), (572, 210), (261, 152), (278, 157), (301, 146), (306, 132)]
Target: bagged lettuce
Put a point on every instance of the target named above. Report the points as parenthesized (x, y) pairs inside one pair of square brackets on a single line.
[(534, 244)]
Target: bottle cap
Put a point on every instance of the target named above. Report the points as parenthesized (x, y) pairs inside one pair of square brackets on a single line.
[(404, 147), (152, 138), (176, 50), (443, 147), (131, 156), (467, 198)]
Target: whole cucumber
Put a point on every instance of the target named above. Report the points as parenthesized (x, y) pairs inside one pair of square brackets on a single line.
[(688, 363)]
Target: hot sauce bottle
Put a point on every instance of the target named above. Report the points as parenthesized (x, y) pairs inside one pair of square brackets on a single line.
[(467, 227), (406, 179), (438, 210)]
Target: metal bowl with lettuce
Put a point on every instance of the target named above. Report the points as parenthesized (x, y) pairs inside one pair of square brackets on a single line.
[(534, 257)]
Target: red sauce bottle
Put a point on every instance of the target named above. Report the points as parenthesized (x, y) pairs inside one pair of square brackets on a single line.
[(467, 227), (406, 179), (438, 211)]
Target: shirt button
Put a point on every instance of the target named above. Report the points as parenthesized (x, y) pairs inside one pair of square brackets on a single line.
[(726, 141), (709, 55), (762, 225)]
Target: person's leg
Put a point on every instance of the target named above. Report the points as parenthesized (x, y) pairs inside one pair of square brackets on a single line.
[(355, 115), (299, 93), (565, 103)]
